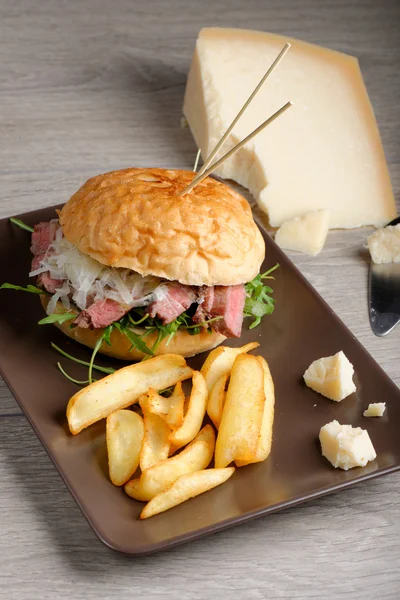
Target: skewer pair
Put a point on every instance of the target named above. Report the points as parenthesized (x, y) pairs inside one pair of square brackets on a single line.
[(205, 169)]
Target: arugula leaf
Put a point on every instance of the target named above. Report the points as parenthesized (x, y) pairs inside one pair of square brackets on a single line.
[(146, 316), (91, 363), (162, 334), (167, 392), (169, 330), (107, 334), (183, 321), (29, 288), (71, 378), (57, 318), (199, 325), (134, 338), (258, 301), (107, 370), (21, 224), (195, 330)]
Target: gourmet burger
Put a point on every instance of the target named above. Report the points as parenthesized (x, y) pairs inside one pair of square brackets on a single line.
[(133, 268)]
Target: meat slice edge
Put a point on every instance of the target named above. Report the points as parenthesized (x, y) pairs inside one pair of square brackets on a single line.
[(226, 302), (177, 299), (100, 314)]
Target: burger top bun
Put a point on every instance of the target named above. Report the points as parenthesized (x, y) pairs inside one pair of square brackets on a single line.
[(135, 218)]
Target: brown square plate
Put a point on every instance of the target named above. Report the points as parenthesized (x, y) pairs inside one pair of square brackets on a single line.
[(301, 329)]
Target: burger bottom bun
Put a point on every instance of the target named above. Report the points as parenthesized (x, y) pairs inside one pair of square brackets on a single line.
[(182, 342)]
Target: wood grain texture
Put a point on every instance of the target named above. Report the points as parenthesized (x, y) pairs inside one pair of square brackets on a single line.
[(89, 86)]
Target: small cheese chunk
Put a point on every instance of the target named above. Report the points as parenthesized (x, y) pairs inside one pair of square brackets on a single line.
[(331, 376), (346, 446), (324, 152), (306, 233), (375, 409), (384, 245)]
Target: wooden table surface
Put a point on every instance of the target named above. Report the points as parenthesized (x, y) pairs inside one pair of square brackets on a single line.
[(86, 87)]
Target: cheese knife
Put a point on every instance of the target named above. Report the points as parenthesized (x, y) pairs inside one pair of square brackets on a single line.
[(384, 295)]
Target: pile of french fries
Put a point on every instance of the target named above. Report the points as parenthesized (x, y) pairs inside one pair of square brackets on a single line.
[(166, 436)]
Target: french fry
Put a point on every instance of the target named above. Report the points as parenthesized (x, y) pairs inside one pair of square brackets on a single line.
[(216, 400), (220, 361), (170, 409), (156, 445), (265, 438), (194, 415), (124, 436), (242, 413), (154, 403), (184, 488), (123, 388), (176, 409), (195, 457)]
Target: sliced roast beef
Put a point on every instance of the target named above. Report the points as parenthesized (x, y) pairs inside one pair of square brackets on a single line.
[(100, 314), (205, 300), (226, 302), (49, 284), (177, 299), (43, 236)]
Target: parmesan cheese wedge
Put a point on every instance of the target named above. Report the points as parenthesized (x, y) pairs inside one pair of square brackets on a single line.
[(384, 245), (331, 376), (306, 233), (325, 153), (345, 446)]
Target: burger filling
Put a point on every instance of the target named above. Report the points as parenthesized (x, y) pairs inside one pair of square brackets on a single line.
[(107, 295), (98, 297)]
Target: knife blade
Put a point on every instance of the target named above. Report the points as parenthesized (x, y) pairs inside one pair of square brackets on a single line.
[(384, 295)]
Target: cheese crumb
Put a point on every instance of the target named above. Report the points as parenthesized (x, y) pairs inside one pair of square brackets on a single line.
[(345, 446), (375, 409), (384, 245), (306, 233), (331, 376)]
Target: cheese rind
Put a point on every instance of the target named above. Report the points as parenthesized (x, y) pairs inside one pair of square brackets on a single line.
[(345, 446), (331, 376), (384, 245), (306, 233), (375, 409), (323, 153)]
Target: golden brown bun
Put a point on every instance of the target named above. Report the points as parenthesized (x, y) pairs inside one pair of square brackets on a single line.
[(182, 343), (135, 219)]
